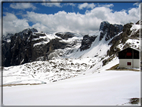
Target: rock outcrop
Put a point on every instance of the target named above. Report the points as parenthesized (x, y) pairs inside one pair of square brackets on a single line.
[(65, 35), (109, 30), (86, 42), (121, 39)]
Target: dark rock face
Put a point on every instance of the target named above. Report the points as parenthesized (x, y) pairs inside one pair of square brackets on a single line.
[(22, 49), (110, 30), (126, 28), (65, 35), (120, 39), (6, 37), (101, 35), (6, 54), (18, 50), (46, 49), (139, 22), (86, 42)]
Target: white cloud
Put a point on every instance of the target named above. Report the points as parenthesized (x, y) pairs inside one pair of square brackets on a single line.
[(52, 4), (22, 6), (136, 4), (70, 4), (71, 21), (133, 15), (82, 23), (40, 27), (11, 24), (105, 5), (86, 5)]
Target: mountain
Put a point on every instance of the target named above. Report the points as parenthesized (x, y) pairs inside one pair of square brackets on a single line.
[(30, 45)]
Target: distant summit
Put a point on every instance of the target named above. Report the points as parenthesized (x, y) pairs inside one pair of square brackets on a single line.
[(103, 25), (110, 30), (27, 31)]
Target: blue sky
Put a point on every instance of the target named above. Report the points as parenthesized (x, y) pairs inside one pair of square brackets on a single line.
[(59, 17)]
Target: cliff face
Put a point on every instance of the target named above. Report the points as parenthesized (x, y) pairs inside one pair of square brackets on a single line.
[(28, 46), (86, 42), (128, 33), (109, 30)]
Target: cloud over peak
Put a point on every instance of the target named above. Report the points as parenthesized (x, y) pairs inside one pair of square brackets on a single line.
[(11, 24)]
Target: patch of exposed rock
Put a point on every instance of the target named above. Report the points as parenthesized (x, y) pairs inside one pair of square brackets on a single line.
[(121, 39), (109, 30), (65, 35), (86, 42)]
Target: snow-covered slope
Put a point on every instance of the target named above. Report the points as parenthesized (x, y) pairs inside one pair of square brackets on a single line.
[(43, 72), (97, 49), (103, 88)]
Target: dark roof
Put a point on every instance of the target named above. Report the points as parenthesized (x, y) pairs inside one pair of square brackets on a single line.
[(129, 53), (130, 48)]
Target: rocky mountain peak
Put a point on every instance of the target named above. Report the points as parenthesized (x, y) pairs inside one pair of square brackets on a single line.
[(29, 29), (104, 25), (110, 30), (139, 22)]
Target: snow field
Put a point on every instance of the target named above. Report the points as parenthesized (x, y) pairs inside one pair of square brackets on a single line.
[(45, 71), (95, 87), (105, 88)]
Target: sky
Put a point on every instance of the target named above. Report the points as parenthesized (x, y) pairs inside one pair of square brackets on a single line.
[(81, 17)]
